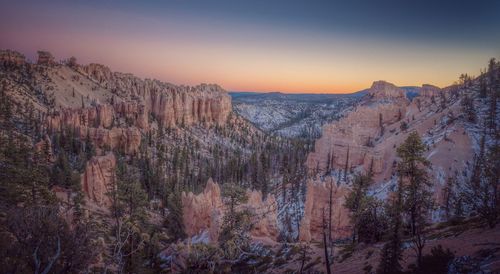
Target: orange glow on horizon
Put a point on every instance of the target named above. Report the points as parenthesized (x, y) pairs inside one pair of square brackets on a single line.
[(253, 60)]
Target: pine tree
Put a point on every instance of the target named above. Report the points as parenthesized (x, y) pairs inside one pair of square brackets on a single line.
[(392, 252), (236, 224), (418, 201), (128, 209), (448, 195), (174, 220), (357, 202), (468, 108), (494, 88), (325, 245), (481, 190)]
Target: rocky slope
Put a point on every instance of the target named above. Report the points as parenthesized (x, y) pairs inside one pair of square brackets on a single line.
[(112, 110)]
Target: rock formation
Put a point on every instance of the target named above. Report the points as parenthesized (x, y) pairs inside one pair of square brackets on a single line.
[(9, 57), (317, 209), (98, 178), (429, 90), (367, 138), (204, 212), (96, 123), (265, 214), (385, 90), (45, 58), (351, 140), (170, 105), (111, 109)]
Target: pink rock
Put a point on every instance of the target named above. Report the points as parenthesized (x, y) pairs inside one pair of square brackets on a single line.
[(98, 178)]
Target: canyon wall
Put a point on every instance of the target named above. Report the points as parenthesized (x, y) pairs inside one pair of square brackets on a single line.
[(112, 110), (367, 139), (351, 141), (171, 105)]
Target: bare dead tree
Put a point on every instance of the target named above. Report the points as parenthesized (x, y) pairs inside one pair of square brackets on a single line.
[(325, 244), (53, 259)]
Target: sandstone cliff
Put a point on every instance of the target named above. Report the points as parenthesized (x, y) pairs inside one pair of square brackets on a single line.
[(352, 140), (146, 101), (171, 105)]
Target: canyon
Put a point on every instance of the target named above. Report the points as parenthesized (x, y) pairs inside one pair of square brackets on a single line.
[(295, 157)]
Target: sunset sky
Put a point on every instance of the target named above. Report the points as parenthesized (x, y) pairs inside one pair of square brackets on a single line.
[(264, 45)]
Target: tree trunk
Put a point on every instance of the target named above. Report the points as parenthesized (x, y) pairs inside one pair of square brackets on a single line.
[(327, 259)]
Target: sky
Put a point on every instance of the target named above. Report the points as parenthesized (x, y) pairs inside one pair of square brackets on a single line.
[(264, 45)]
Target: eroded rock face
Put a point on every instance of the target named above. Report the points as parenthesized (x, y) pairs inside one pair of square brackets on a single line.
[(265, 214), (428, 91), (98, 178), (317, 210), (205, 212), (386, 90), (171, 105), (116, 107), (96, 123), (360, 143), (9, 57), (351, 140)]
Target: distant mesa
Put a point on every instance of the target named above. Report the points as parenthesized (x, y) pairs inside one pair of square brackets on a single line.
[(383, 89)]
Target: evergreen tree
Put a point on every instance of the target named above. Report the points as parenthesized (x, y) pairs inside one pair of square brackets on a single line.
[(481, 191), (418, 201), (234, 234), (392, 252), (128, 208), (174, 220), (356, 201)]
